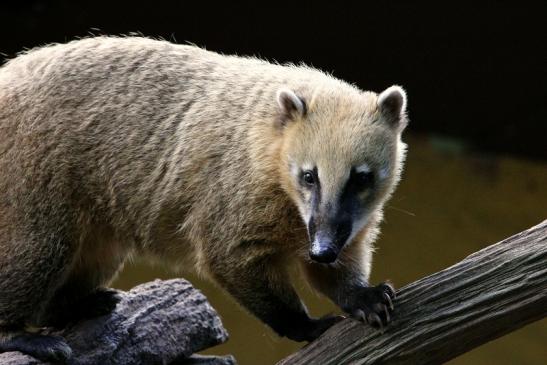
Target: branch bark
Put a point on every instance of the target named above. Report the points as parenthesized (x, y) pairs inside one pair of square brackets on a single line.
[(490, 293), (160, 322)]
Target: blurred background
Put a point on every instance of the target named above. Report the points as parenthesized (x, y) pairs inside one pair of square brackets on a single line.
[(476, 79)]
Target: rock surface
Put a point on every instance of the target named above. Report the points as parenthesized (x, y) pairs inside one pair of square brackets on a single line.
[(160, 322)]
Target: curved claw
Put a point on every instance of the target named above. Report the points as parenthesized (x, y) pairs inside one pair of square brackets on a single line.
[(360, 315), (388, 300), (389, 289), (386, 312), (374, 320)]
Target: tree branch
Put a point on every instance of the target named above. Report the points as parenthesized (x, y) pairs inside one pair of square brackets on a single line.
[(490, 293)]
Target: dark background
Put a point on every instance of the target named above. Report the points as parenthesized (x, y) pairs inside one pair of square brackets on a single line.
[(475, 73)]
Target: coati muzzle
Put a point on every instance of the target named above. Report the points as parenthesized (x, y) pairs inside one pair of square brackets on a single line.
[(328, 239)]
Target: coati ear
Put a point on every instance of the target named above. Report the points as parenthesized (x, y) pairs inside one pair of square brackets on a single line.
[(392, 106), (291, 105)]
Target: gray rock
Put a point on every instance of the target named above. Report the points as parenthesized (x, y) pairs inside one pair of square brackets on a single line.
[(160, 322)]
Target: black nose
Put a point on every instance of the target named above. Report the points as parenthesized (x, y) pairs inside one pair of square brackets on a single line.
[(324, 255)]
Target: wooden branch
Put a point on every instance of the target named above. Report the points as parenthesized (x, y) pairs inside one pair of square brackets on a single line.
[(490, 293), (160, 322)]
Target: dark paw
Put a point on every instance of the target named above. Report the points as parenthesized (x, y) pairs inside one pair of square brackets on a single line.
[(99, 303), (44, 348), (313, 329), (374, 305)]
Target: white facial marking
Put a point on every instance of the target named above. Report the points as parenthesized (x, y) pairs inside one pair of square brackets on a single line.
[(384, 173), (304, 214), (293, 168), (295, 171), (307, 167), (307, 218), (363, 168)]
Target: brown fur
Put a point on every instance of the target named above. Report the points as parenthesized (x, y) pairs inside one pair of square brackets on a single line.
[(118, 146)]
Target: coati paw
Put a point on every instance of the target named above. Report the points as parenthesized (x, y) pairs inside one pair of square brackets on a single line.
[(99, 303), (45, 348), (96, 304), (313, 329), (374, 305)]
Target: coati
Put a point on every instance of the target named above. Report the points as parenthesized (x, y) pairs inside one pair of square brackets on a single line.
[(119, 146)]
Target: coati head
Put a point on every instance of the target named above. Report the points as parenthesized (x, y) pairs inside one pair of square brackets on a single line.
[(341, 159)]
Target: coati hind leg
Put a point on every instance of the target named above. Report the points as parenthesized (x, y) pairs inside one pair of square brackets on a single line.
[(261, 284), (84, 295), (32, 266)]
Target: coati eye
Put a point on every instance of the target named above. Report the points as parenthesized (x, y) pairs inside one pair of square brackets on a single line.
[(308, 178), (361, 180), (365, 179)]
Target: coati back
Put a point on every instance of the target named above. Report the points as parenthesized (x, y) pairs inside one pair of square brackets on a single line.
[(236, 167)]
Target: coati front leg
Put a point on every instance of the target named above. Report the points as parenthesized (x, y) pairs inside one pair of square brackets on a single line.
[(261, 284), (346, 284)]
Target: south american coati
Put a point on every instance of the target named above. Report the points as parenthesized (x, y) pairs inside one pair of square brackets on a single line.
[(233, 166)]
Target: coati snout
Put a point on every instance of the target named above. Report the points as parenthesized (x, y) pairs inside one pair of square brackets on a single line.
[(336, 217), (329, 233)]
